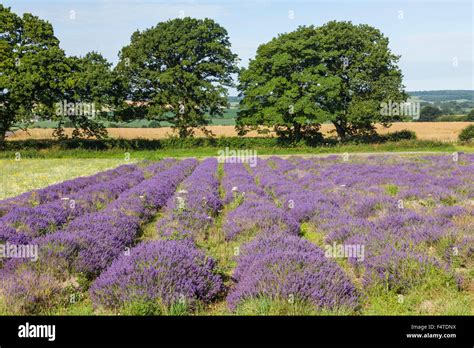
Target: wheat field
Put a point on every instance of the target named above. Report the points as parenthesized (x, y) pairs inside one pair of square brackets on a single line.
[(442, 131)]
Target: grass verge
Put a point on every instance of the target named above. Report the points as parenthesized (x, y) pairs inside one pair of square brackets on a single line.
[(122, 154)]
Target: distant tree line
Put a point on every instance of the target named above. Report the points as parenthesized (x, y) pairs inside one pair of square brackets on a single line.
[(444, 95), (179, 71), (433, 113)]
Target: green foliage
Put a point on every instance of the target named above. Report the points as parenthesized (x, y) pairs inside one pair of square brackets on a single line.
[(177, 71), (436, 294), (269, 306), (339, 73), (429, 113), (91, 83), (32, 66), (145, 308), (470, 116), (38, 79), (454, 107), (191, 143), (154, 124), (403, 134), (448, 200), (467, 134), (392, 189), (443, 95), (144, 144), (58, 149), (374, 138), (451, 118)]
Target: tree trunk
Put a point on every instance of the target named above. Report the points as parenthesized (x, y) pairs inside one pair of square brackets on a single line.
[(2, 138), (183, 132), (297, 132), (340, 129)]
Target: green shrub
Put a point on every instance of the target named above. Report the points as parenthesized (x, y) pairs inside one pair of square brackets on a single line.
[(470, 116), (467, 134), (145, 144), (190, 143), (451, 118), (404, 134), (154, 124), (147, 308), (392, 190), (371, 138)]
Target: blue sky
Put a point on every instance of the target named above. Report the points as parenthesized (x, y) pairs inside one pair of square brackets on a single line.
[(434, 38)]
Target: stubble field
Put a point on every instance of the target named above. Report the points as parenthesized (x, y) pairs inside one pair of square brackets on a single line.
[(442, 131)]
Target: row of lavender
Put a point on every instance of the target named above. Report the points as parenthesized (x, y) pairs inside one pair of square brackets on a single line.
[(172, 270), (398, 213), (90, 243), (375, 204), (277, 264), (53, 192), (63, 203)]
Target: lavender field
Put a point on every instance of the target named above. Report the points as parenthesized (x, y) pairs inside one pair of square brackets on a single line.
[(340, 235)]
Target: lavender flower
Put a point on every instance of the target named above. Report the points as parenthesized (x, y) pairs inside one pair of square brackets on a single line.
[(303, 276), (164, 272)]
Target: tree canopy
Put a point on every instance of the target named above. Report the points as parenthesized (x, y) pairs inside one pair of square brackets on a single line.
[(36, 76), (31, 65), (177, 71), (338, 73), (93, 86), (470, 115), (429, 113)]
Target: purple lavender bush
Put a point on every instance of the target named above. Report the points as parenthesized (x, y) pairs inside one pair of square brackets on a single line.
[(412, 216), (29, 287), (301, 276), (64, 189), (190, 212), (47, 218), (398, 270), (161, 273), (91, 242), (253, 216), (270, 243)]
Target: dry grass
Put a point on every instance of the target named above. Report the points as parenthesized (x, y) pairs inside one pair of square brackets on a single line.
[(443, 131)]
